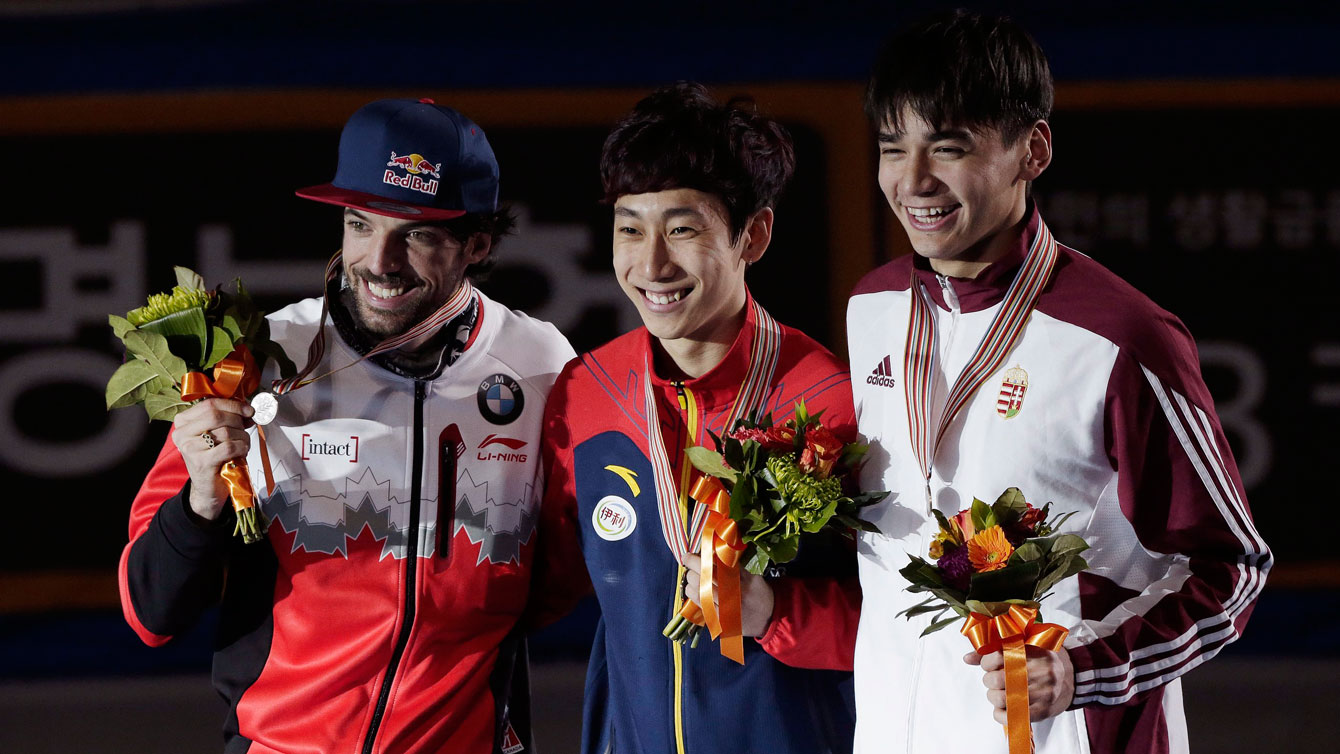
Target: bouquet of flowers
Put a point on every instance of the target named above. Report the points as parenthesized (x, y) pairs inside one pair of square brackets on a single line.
[(768, 485), (994, 564), (173, 339)]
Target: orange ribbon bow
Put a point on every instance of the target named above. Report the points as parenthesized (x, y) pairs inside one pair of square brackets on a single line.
[(721, 550), (1011, 632), (235, 376)]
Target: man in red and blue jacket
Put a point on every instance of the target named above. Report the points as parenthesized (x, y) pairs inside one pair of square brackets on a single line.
[(692, 183)]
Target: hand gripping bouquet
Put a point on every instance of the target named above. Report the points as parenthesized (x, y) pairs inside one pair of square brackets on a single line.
[(994, 564), (170, 343), (766, 486)]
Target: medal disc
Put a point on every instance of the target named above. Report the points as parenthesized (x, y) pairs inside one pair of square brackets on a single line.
[(266, 406)]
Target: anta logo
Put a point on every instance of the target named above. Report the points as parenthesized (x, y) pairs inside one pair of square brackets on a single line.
[(343, 447), (502, 454), (883, 374)]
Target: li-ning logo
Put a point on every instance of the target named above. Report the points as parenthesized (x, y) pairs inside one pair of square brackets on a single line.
[(417, 166), (501, 455), (883, 374), (314, 447)]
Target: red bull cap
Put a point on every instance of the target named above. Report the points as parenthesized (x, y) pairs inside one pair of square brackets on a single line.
[(412, 159)]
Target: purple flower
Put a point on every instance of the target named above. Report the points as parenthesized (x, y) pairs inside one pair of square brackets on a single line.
[(955, 567)]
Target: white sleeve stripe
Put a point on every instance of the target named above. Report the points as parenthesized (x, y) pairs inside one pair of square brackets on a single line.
[(1208, 447), (1219, 632), (1248, 584), (1216, 494), (1147, 684)]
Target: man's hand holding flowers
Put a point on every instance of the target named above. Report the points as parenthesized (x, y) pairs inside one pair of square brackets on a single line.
[(1051, 682), (225, 421), (756, 598)]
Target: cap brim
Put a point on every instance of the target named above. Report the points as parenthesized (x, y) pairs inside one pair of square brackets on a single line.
[(329, 193)]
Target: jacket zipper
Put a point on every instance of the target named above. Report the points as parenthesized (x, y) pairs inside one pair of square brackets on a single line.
[(951, 298), (411, 569), (688, 407)]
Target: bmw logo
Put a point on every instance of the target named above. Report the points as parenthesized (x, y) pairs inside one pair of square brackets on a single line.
[(500, 399)]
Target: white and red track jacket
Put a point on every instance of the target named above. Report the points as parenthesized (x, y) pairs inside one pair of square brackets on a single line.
[(382, 613), (1114, 422)]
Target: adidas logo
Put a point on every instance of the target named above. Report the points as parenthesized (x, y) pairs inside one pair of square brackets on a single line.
[(883, 374)]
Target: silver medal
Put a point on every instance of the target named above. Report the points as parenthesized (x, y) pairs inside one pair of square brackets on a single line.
[(266, 406)]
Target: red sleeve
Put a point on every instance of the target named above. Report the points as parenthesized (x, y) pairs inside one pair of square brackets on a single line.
[(172, 568), (1178, 486), (558, 577), (814, 622)]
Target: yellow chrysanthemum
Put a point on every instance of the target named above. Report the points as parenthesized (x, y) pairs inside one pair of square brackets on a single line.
[(988, 550), (937, 548)]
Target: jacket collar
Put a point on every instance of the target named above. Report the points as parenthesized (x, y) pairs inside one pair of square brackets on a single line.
[(721, 383), (987, 289)]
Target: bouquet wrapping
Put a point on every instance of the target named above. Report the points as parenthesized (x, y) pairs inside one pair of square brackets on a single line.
[(994, 564), (170, 344), (766, 486)]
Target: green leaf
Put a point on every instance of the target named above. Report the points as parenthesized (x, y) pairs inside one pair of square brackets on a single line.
[(1014, 581), (1067, 543), (1065, 567), (742, 500), (187, 278), (164, 406), (153, 349), (820, 520), (187, 335), (221, 344), (1009, 507), (710, 462), (939, 624), (229, 322), (757, 563), (120, 325), (785, 549), (982, 516), (1026, 552), (131, 382), (941, 520)]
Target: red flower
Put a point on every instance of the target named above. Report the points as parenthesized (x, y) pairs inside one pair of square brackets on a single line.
[(821, 453), (1031, 518), (779, 437), (744, 434)]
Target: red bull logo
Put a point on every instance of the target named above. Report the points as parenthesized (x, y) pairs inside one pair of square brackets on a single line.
[(417, 169)]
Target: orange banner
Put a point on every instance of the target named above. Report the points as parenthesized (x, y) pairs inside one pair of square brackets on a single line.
[(1010, 633), (721, 550)]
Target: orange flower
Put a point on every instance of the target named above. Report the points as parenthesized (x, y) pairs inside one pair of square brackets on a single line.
[(988, 550)]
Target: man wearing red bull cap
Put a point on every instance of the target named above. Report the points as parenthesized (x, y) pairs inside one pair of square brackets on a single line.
[(383, 612)]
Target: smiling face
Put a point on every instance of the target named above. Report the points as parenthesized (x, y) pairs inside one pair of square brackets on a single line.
[(674, 258), (959, 192), (401, 271)]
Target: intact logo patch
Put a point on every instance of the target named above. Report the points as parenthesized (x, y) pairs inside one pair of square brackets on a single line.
[(613, 518), (882, 376), (1012, 389), (500, 399), (338, 447)]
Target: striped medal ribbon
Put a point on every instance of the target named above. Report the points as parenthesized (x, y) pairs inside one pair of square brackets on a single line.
[(919, 356), (748, 401), (459, 302)]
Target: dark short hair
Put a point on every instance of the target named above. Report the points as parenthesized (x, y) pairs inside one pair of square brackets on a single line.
[(495, 224), (681, 137), (962, 69)]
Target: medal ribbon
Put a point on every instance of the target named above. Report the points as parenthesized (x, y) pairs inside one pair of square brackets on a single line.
[(749, 400), (999, 339), (1011, 633), (461, 300)]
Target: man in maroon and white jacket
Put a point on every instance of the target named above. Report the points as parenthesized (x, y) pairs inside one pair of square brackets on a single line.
[(1082, 392)]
